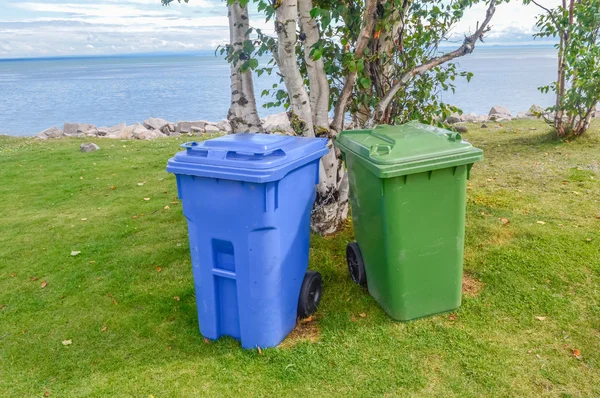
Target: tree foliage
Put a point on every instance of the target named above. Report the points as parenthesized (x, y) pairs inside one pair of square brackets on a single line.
[(576, 24)]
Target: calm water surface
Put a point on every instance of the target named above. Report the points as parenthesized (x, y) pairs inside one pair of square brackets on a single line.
[(37, 94)]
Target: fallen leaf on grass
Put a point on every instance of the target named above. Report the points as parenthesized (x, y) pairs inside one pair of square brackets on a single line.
[(167, 207), (146, 199), (140, 183), (34, 278), (13, 275), (176, 298), (2, 306), (540, 318), (84, 219), (134, 216), (44, 284), (577, 353), (504, 221), (362, 315), (588, 239), (206, 341), (92, 262), (158, 269), (259, 350), (75, 253), (67, 342), (452, 317), (46, 393), (115, 302), (113, 187), (352, 319), (104, 328), (174, 203), (598, 216), (577, 193), (540, 222)]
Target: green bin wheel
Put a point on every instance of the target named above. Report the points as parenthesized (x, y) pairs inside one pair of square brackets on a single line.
[(356, 265), (310, 294)]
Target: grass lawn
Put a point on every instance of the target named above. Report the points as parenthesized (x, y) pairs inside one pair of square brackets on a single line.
[(529, 324)]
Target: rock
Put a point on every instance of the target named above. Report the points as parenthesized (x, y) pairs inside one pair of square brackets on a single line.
[(91, 147), (155, 123), (499, 112), (103, 131), (70, 128), (461, 129), (522, 115), (536, 110), (225, 126), (169, 129), (484, 126), (454, 118), (196, 130), (211, 129), (186, 127), (85, 128), (127, 132), (117, 128), (140, 132), (52, 132), (278, 122)]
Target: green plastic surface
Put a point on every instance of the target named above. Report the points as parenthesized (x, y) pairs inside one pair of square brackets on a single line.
[(391, 151), (410, 225)]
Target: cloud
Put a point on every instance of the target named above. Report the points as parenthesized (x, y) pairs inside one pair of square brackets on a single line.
[(90, 27)]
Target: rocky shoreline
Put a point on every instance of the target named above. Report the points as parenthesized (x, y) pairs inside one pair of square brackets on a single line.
[(153, 128)]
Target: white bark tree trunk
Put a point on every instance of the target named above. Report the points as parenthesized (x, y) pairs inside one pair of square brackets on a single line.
[(286, 16), (331, 206), (242, 115)]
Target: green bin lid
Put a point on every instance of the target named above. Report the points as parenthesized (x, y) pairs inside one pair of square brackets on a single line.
[(391, 151)]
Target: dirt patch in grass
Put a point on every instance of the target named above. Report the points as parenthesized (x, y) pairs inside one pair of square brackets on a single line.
[(470, 286), (305, 330)]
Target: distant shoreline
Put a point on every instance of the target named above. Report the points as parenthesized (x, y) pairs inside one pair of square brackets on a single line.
[(205, 53)]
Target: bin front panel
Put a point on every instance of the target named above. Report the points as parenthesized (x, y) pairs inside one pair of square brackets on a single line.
[(410, 230), (249, 245)]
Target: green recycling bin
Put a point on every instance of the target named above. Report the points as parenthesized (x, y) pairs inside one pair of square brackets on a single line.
[(408, 197)]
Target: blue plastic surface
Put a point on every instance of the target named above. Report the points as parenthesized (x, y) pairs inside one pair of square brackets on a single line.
[(247, 156), (249, 241)]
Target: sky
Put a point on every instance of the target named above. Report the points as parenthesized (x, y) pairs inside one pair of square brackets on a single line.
[(55, 28)]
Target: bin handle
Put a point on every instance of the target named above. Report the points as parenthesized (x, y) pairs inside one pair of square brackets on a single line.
[(194, 148), (454, 136), (380, 149)]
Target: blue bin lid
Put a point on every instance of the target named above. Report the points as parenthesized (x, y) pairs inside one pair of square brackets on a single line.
[(251, 157)]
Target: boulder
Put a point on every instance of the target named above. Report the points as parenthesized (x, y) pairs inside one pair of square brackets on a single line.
[(484, 126), (186, 127), (211, 129), (278, 122), (155, 123), (91, 147), (85, 128), (461, 129), (454, 118), (117, 128), (70, 128), (127, 132), (522, 115), (499, 112), (196, 130), (140, 132), (225, 126), (168, 129), (536, 110), (52, 132), (103, 131)]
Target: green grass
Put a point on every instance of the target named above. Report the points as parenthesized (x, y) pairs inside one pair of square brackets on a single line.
[(130, 337)]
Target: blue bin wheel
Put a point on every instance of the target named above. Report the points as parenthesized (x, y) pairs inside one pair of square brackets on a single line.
[(356, 265), (310, 294)]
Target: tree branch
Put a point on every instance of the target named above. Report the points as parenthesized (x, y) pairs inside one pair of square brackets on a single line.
[(361, 44), (466, 48)]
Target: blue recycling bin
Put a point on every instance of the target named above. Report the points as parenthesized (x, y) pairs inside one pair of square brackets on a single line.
[(248, 200)]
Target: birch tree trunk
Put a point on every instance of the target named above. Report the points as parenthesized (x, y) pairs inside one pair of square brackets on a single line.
[(331, 205), (285, 25), (242, 115)]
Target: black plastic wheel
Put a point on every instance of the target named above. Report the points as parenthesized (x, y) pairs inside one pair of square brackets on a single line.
[(356, 266), (310, 294)]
